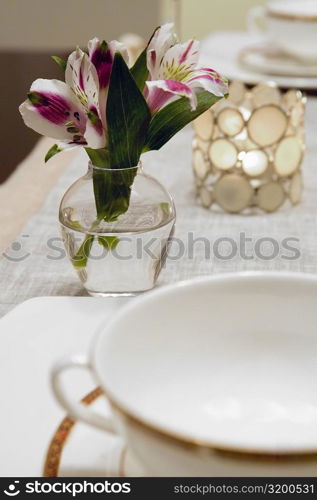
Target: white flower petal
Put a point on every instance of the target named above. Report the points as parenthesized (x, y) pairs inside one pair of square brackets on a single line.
[(180, 60), (55, 87), (72, 74), (53, 110), (93, 137), (82, 78), (92, 45), (35, 121), (207, 81), (116, 46), (163, 38)]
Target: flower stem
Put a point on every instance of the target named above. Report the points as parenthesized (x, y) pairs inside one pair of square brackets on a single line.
[(80, 259), (112, 191)]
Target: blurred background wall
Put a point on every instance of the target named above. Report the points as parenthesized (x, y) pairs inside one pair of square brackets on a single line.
[(32, 30), (46, 24), (202, 17)]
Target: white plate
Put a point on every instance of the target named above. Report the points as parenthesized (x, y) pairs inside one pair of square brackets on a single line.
[(266, 58), (32, 337), (221, 52)]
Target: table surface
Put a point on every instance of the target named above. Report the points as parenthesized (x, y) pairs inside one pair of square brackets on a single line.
[(31, 195), (33, 263)]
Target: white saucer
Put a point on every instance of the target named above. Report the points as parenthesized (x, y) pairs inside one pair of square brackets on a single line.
[(221, 52), (267, 58)]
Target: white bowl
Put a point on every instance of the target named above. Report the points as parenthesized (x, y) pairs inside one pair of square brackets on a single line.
[(291, 24), (202, 375)]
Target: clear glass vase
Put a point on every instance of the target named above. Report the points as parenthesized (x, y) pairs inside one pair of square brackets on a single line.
[(116, 226)]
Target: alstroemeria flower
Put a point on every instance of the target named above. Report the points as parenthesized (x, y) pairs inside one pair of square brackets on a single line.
[(81, 76), (101, 54), (74, 112), (173, 71), (52, 109), (67, 111)]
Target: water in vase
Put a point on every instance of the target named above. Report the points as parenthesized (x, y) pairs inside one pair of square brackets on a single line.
[(116, 257)]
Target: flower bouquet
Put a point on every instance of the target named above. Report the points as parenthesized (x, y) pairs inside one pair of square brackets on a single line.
[(116, 112)]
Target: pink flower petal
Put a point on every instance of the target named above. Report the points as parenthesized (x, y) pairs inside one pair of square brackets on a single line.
[(184, 55), (52, 110), (101, 55), (161, 92)]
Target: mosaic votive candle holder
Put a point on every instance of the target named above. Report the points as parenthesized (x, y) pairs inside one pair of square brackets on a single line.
[(248, 149)]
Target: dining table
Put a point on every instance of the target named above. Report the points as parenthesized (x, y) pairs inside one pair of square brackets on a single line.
[(34, 265)]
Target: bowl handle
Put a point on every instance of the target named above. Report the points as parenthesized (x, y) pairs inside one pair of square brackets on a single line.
[(75, 409)]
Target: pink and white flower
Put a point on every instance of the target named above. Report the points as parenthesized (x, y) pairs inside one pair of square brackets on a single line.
[(173, 71), (74, 111), (101, 55)]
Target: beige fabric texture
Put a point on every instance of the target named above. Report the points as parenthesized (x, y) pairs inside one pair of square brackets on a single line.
[(30, 184)]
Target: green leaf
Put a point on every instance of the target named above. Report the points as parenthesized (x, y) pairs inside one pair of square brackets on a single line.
[(139, 70), (74, 224), (165, 207), (80, 259), (112, 189), (99, 157), (128, 117), (61, 63), (52, 152), (108, 242), (173, 117)]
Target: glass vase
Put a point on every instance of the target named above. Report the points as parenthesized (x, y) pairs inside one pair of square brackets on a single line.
[(116, 226)]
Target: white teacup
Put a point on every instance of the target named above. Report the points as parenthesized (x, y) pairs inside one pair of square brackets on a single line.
[(290, 24), (212, 377)]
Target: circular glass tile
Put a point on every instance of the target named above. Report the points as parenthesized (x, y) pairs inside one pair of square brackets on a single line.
[(263, 94), (216, 133), (200, 144), (219, 105), (230, 121), (205, 197), (291, 97), (288, 156), (201, 166), (267, 125), (297, 114), (300, 133), (270, 196), (296, 187), (223, 154), (204, 125), (236, 92), (233, 192), (255, 162), (195, 144)]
